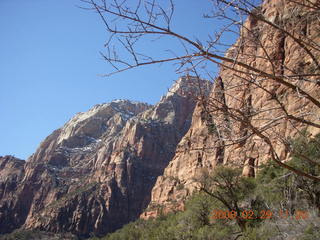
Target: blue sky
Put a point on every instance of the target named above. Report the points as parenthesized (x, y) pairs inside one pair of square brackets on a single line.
[(50, 66)]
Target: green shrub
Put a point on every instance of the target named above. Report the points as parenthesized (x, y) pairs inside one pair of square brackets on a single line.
[(274, 188)]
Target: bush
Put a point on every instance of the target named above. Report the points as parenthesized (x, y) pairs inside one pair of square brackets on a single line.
[(274, 188)]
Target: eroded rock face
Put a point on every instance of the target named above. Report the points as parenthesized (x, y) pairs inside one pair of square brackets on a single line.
[(103, 167), (96, 172), (12, 204), (201, 148)]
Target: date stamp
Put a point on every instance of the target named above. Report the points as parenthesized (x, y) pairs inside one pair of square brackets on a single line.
[(262, 214)]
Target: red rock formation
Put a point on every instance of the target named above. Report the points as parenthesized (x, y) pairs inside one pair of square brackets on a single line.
[(14, 203), (201, 149), (95, 173), (103, 167)]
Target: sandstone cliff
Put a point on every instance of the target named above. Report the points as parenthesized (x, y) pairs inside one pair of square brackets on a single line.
[(102, 169), (96, 172), (13, 204), (274, 52)]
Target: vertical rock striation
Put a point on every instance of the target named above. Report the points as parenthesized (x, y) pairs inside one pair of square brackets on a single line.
[(96, 172), (201, 148)]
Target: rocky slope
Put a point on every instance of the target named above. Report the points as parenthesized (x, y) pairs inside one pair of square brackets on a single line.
[(13, 204), (96, 172), (274, 52), (102, 169)]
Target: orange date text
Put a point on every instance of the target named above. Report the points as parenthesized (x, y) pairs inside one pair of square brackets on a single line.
[(262, 214)]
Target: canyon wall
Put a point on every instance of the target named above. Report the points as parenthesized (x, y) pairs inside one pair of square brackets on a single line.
[(272, 51), (121, 160), (96, 173)]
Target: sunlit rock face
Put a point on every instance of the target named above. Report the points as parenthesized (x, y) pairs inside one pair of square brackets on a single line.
[(96, 172), (200, 149), (123, 159)]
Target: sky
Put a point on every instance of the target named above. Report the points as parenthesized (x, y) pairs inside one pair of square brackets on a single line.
[(50, 67)]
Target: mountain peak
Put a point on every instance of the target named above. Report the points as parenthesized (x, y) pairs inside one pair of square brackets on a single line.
[(100, 161), (190, 86)]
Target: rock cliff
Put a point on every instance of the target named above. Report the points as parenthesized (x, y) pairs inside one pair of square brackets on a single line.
[(122, 160), (271, 50), (96, 172)]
